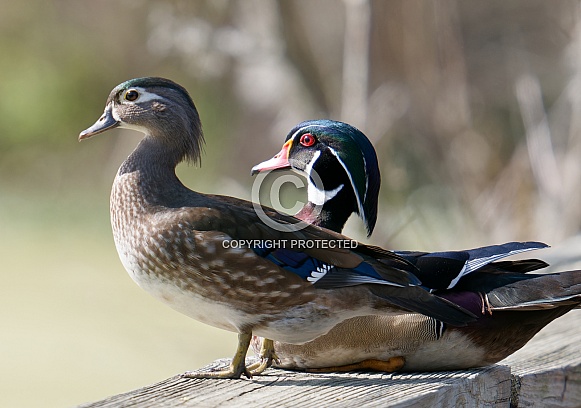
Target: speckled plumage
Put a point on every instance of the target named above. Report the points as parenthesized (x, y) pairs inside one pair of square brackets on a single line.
[(171, 240), (511, 306)]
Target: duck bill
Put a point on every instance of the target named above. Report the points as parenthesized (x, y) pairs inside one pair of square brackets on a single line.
[(105, 122), (278, 162)]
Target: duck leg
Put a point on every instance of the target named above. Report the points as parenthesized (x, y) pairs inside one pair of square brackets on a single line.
[(389, 366), (267, 356), (237, 366)]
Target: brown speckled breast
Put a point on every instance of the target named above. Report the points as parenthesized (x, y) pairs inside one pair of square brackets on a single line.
[(191, 270)]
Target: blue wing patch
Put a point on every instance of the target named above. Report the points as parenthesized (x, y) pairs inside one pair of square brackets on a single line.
[(323, 274)]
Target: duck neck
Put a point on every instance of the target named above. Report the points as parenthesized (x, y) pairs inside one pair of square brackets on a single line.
[(148, 174), (333, 213)]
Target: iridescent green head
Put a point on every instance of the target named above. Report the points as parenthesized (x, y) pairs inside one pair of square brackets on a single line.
[(337, 154)]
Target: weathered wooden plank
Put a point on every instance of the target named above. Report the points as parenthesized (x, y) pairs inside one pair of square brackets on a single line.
[(547, 371), (488, 387)]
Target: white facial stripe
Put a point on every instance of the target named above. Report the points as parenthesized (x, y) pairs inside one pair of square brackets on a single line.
[(309, 167), (366, 177), (144, 96), (359, 203), (315, 194), (308, 170), (320, 197), (303, 128)]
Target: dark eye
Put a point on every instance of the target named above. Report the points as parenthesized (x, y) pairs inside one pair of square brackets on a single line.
[(307, 140), (131, 95)]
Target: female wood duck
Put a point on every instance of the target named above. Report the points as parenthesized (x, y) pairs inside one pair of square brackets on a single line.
[(214, 259), (511, 306)]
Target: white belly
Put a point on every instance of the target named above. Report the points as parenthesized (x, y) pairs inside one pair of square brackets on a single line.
[(171, 293), (452, 352)]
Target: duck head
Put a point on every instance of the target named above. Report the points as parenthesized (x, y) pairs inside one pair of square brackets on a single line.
[(341, 168), (159, 108)]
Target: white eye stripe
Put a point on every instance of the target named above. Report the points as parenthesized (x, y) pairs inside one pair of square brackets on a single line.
[(359, 203), (305, 127), (144, 96), (366, 176)]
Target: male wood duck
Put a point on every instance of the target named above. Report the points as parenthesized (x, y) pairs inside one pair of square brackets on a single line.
[(179, 245), (511, 305)]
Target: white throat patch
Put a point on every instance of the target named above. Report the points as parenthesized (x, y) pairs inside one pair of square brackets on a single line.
[(315, 194)]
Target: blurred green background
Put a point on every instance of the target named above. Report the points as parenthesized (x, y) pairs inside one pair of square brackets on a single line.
[(473, 108)]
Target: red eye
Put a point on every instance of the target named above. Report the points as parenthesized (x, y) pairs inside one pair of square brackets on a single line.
[(307, 140)]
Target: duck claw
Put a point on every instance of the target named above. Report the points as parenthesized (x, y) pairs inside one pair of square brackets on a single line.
[(220, 374), (237, 366), (267, 357)]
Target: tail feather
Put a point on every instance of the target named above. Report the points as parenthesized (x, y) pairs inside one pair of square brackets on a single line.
[(522, 266), (538, 292)]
